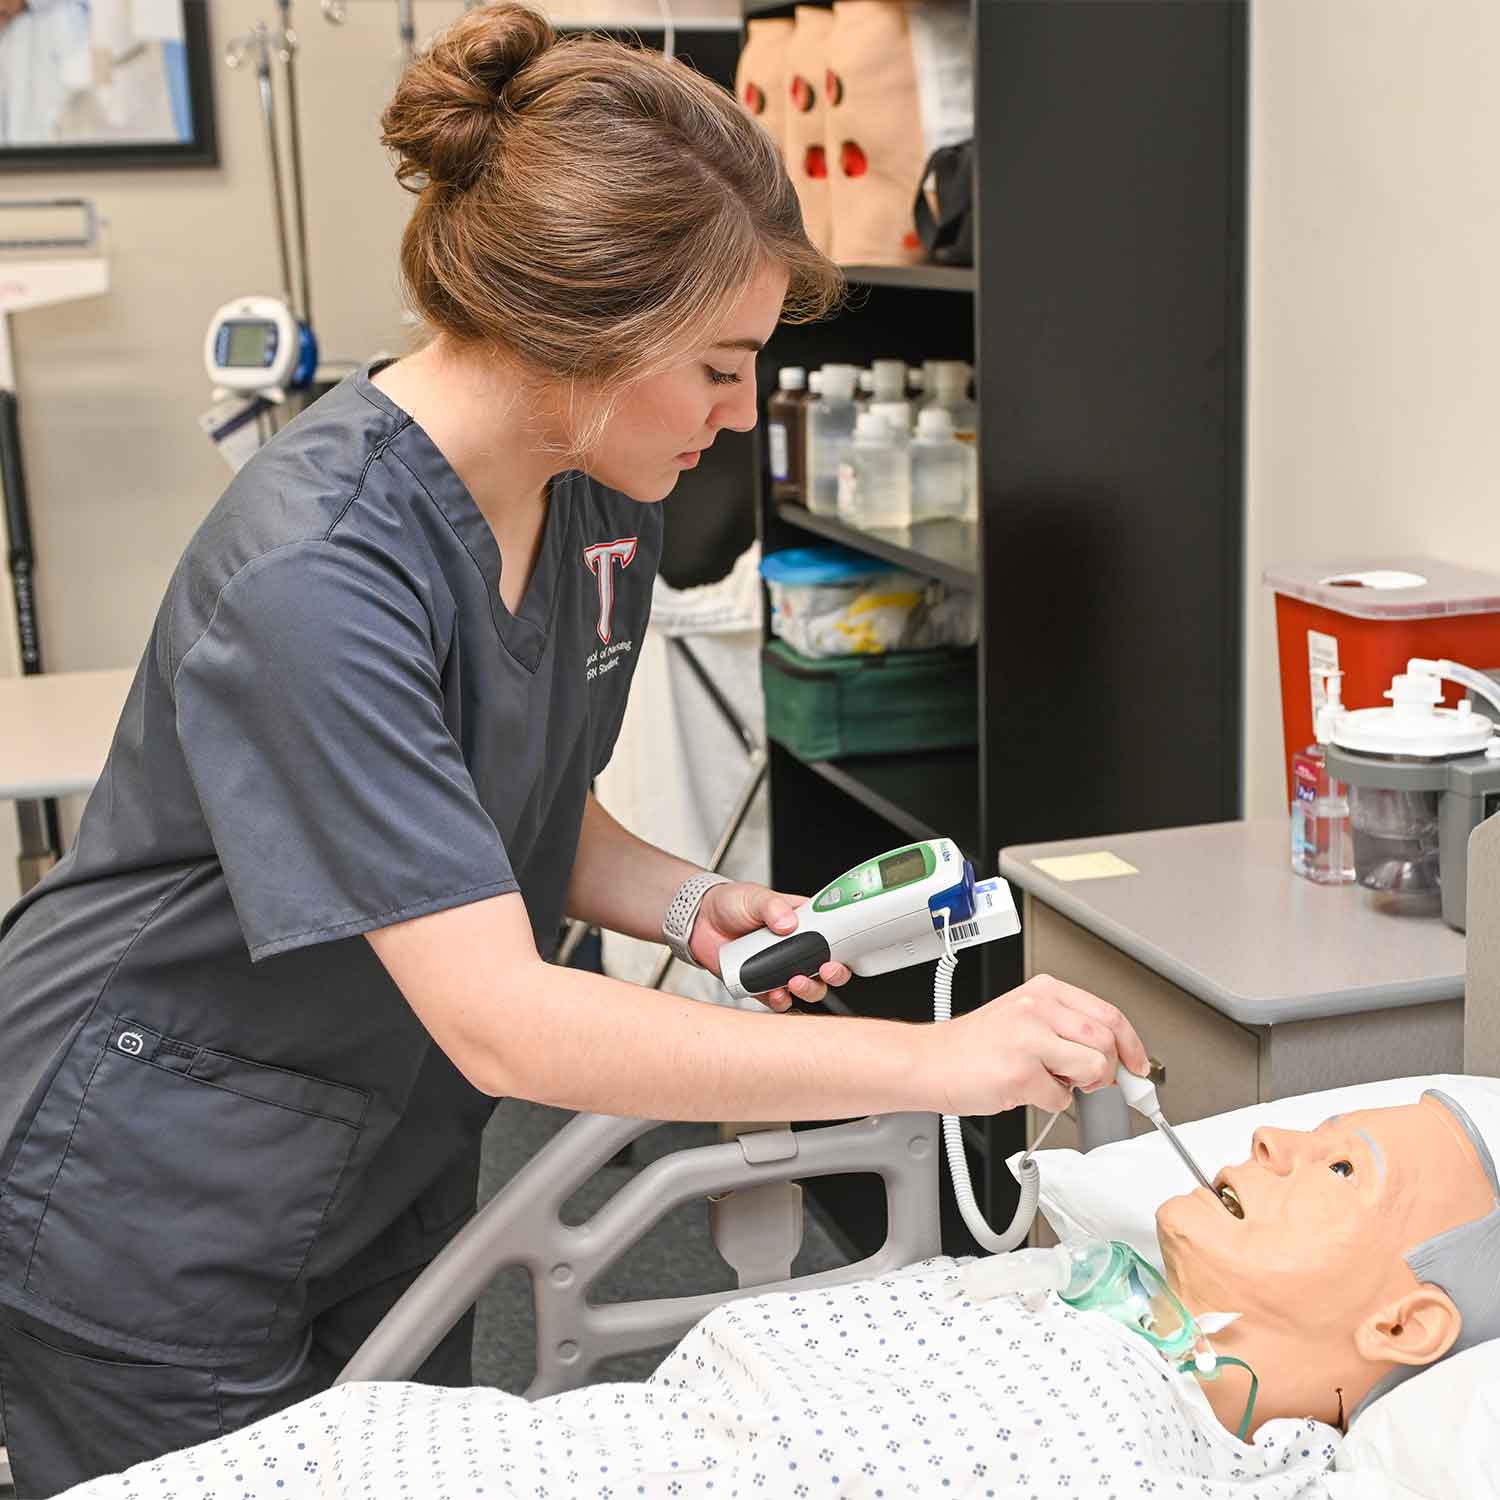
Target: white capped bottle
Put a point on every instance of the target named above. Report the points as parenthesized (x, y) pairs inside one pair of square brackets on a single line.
[(830, 428), (943, 479), (887, 380), (897, 413), (875, 477), (948, 386)]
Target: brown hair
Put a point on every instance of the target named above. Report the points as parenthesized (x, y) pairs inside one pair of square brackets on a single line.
[(585, 205)]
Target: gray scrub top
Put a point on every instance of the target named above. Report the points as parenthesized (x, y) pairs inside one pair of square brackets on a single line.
[(217, 1112)]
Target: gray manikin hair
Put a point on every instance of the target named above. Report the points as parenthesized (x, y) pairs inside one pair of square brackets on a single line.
[(1463, 1261)]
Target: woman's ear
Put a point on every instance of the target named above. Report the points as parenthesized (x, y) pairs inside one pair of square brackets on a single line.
[(1417, 1329)]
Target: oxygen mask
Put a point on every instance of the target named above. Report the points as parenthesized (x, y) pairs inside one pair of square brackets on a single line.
[(1111, 1277)]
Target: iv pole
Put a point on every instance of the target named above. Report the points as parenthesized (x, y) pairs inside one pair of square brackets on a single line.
[(263, 44), (336, 12)]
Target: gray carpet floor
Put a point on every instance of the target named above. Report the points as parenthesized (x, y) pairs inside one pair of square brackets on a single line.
[(676, 1258)]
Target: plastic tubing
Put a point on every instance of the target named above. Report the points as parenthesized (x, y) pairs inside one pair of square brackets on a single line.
[(1453, 671), (953, 1141)]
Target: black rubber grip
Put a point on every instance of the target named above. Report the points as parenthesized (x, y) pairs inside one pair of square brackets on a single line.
[(802, 953)]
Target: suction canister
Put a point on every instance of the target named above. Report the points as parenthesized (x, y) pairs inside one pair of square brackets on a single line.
[(1421, 777)]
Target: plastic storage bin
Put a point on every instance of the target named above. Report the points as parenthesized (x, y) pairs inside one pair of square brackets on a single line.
[(1367, 620), (833, 601), (869, 705)]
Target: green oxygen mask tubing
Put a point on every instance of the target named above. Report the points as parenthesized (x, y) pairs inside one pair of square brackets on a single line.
[(1111, 1277)]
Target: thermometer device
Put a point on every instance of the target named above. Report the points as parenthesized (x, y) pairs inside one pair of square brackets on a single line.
[(884, 914)]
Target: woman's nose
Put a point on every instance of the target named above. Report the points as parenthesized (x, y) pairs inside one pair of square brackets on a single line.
[(1276, 1150), (738, 412)]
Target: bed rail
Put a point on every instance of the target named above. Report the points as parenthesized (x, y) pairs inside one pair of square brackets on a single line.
[(522, 1226)]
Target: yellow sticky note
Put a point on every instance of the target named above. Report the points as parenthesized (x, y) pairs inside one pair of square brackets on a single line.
[(1101, 866)]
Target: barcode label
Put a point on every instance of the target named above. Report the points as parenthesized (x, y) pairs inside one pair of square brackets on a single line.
[(964, 932)]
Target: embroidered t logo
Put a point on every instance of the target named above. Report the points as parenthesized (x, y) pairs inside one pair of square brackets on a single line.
[(600, 560)]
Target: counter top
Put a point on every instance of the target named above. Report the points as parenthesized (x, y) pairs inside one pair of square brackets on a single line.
[(56, 730), (1217, 911)]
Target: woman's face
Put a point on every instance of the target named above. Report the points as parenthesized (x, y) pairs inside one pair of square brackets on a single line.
[(664, 422)]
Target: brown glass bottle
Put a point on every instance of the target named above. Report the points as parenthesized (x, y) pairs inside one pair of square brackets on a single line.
[(785, 433)]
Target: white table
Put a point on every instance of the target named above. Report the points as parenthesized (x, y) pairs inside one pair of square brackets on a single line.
[(56, 729)]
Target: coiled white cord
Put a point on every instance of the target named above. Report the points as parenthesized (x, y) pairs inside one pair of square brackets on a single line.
[(953, 1138)]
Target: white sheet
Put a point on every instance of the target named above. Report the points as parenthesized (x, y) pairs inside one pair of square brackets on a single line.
[(881, 1389)]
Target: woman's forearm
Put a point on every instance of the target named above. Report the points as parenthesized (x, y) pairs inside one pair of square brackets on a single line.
[(620, 881), (515, 1025), (598, 1044)]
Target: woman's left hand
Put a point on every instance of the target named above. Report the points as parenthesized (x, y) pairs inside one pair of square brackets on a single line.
[(730, 911)]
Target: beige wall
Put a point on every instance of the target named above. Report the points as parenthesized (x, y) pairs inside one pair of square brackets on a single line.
[(1374, 287), (110, 389)]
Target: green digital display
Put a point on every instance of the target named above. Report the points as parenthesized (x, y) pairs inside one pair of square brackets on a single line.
[(249, 344), (901, 869), (888, 873)]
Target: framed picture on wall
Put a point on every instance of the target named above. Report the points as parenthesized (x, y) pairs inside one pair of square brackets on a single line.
[(105, 83)]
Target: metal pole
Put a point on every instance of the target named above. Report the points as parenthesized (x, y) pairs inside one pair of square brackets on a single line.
[(268, 114), (406, 27), (41, 830), (288, 52)]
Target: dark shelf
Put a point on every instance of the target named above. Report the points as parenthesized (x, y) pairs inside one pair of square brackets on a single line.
[(940, 549), (927, 794), (768, 7), (925, 278)]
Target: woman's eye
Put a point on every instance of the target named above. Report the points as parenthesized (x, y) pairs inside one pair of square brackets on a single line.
[(1343, 1168), (722, 377)]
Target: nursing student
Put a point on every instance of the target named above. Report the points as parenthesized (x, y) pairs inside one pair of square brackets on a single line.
[(253, 1025)]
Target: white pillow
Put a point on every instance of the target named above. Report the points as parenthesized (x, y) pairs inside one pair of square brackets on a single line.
[(1113, 1191), (1436, 1435)]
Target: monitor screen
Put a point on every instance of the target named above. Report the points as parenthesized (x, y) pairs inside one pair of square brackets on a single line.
[(902, 869), (250, 345)]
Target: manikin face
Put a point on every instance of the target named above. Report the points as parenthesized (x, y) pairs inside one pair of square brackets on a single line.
[(1316, 1264), (662, 424)]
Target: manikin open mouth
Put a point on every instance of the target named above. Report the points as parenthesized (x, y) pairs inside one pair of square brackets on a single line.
[(1230, 1199)]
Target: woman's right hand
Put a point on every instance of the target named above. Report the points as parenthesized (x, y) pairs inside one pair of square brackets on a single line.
[(1034, 1045)]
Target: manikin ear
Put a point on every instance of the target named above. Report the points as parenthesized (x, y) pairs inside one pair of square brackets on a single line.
[(1417, 1329)]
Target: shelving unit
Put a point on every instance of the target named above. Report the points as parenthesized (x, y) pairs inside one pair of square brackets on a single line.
[(941, 549), (925, 794), (1104, 317), (925, 278)]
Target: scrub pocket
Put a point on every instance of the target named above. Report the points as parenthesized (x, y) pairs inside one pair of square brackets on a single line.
[(190, 1192), (74, 1413)]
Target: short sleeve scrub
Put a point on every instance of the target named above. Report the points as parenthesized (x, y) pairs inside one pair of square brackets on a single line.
[(218, 1115)]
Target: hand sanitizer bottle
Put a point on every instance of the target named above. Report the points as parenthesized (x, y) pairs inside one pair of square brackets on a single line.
[(1322, 848)]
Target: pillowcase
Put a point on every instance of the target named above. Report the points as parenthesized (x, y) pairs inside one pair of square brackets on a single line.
[(1436, 1436), (1113, 1191)]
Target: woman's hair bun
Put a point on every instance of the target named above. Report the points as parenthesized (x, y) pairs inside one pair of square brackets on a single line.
[(450, 104)]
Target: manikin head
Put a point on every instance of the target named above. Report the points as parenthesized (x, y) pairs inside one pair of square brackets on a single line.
[(1369, 1249)]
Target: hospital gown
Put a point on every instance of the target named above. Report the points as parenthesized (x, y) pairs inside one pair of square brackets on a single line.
[(881, 1389)]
